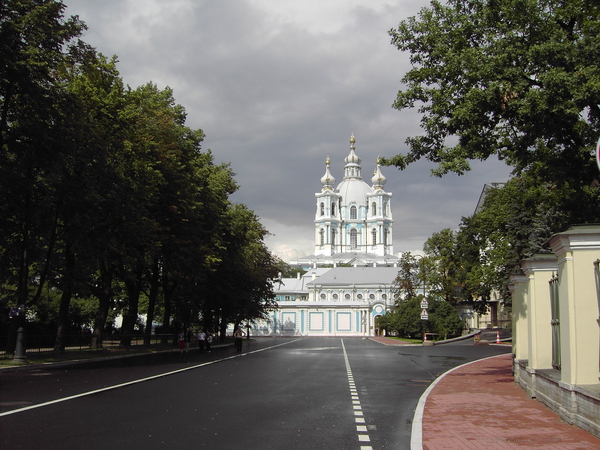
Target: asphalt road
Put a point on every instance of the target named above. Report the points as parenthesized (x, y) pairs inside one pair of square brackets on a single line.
[(281, 393)]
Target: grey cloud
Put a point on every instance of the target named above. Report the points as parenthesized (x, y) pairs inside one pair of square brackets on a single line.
[(275, 97)]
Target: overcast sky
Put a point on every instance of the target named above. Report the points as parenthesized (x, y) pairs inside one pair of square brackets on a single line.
[(277, 86)]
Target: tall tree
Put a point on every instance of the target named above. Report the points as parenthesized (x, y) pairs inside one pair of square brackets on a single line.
[(34, 40), (408, 278), (516, 79), (445, 279)]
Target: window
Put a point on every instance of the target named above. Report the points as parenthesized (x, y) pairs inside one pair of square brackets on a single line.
[(322, 233), (347, 296), (359, 296), (287, 298), (323, 296), (335, 296), (374, 209), (353, 239), (332, 237), (333, 209), (322, 208), (374, 235), (372, 296), (353, 214), (385, 236)]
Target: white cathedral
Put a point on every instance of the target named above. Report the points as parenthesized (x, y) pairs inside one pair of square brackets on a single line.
[(353, 221), (350, 278)]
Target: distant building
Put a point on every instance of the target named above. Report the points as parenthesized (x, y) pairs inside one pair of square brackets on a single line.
[(353, 228), (342, 301), (353, 221)]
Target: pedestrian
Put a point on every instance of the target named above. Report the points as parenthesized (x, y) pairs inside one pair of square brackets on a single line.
[(209, 339), (181, 341), (201, 340), (238, 335), (187, 336)]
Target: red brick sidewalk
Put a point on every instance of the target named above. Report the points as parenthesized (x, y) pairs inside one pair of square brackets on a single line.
[(479, 406)]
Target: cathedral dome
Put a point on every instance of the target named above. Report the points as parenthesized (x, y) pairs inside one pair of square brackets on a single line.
[(352, 188), (354, 191)]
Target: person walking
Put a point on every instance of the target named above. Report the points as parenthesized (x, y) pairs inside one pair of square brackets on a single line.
[(238, 335), (209, 339), (201, 340), (181, 341)]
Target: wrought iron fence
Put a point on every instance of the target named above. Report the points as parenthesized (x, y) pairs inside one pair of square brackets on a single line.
[(555, 322), (597, 277), (83, 342)]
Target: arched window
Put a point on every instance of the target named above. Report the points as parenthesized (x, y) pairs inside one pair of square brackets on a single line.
[(385, 236), (353, 239), (332, 237), (353, 214), (374, 209), (333, 209), (386, 209), (374, 234), (322, 208), (322, 233)]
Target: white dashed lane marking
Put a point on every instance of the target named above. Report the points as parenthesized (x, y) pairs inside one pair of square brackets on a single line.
[(361, 429)]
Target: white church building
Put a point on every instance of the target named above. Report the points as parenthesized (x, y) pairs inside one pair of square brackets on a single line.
[(349, 279)]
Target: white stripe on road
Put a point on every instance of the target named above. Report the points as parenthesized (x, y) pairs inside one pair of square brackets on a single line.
[(141, 380), (361, 430)]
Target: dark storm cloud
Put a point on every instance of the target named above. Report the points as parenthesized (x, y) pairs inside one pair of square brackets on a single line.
[(277, 87)]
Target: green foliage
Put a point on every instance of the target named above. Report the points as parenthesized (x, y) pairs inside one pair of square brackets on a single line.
[(407, 281), (405, 320), (515, 79), (444, 279), (443, 319), (106, 198)]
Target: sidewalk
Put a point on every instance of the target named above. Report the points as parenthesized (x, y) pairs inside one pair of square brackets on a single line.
[(479, 406)]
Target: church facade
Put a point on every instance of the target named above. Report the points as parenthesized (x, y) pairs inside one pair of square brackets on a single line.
[(353, 221), (349, 280)]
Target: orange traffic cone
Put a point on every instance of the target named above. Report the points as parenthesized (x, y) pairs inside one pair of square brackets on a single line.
[(497, 337)]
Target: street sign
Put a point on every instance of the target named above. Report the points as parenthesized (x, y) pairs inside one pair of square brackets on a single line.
[(424, 315), (424, 304)]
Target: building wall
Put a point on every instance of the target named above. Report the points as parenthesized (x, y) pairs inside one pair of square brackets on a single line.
[(572, 388), (320, 319)]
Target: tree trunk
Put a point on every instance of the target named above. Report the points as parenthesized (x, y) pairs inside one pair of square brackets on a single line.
[(167, 294), (105, 300), (65, 301), (134, 288), (152, 296)]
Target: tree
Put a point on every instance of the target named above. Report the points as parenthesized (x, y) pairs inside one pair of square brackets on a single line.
[(445, 279), (407, 280), (443, 319), (516, 79), (406, 319), (515, 222), (34, 41), (242, 287)]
